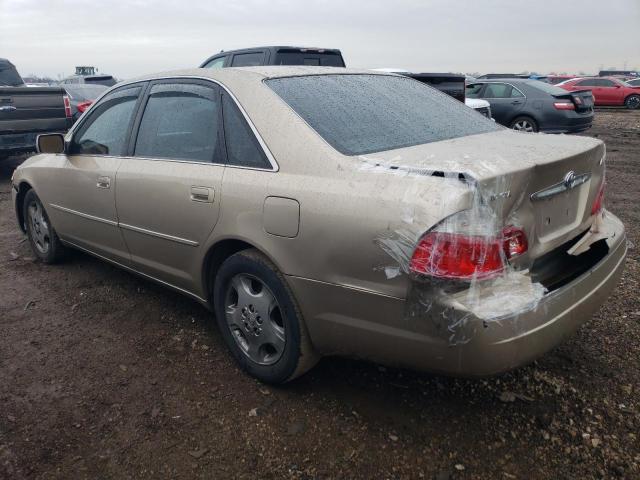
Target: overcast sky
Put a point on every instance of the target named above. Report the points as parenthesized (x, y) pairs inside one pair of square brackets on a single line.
[(131, 37)]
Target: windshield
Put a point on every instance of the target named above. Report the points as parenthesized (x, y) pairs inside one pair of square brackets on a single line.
[(358, 114), (308, 57), (9, 76)]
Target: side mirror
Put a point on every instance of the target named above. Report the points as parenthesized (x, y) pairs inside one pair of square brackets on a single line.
[(50, 143)]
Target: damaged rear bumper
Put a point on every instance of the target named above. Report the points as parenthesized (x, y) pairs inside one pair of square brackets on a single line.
[(442, 333)]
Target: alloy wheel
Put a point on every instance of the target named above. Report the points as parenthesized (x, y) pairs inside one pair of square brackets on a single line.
[(523, 126), (39, 227), (255, 319)]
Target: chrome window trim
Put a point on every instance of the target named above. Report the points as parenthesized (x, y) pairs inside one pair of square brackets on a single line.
[(274, 165)]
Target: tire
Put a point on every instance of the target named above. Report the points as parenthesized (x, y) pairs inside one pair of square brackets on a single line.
[(259, 319), (42, 236), (632, 102), (524, 124)]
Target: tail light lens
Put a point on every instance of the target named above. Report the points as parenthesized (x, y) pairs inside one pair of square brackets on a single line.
[(599, 201), (67, 106), (83, 106), (466, 257), (564, 106)]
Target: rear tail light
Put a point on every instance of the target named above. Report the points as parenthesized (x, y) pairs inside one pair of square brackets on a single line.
[(67, 106), (564, 106), (599, 201), (83, 106), (466, 257)]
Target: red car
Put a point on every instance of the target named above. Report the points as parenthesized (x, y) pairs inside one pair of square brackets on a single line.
[(606, 91)]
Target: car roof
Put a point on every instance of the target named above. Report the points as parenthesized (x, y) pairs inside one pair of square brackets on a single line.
[(273, 47), (260, 73)]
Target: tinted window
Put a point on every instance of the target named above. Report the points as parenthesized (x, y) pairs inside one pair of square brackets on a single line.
[(105, 130), (180, 121), (605, 83), (216, 63), (242, 146), (106, 80), (360, 114), (497, 90), (590, 82), (515, 93), (473, 91), (297, 57), (247, 59), (9, 75)]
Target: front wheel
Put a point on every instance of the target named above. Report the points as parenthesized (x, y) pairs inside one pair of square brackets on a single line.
[(259, 319), (42, 237), (632, 102), (524, 124)]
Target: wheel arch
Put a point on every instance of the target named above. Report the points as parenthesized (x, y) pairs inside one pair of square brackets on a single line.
[(218, 253), (23, 188), (632, 94)]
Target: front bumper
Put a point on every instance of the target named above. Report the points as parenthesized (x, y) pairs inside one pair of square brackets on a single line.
[(437, 333)]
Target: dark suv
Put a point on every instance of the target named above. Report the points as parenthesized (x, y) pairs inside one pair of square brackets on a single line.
[(252, 57)]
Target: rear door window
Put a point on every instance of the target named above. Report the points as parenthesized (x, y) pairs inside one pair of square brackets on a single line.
[(247, 59), (181, 121), (106, 130), (603, 82), (497, 90), (243, 148), (586, 83), (308, 57), (362, 113), (216, 63)]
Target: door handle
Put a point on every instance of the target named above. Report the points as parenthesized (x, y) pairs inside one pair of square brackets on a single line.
[(516, 102), (202, 194), (103, 182), (8, 108)]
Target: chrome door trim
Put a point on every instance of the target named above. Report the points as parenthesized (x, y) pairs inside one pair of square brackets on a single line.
[(84, 215), (164, 236), (133, 270)]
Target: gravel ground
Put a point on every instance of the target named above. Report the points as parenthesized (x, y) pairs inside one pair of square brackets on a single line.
[(105, 375)]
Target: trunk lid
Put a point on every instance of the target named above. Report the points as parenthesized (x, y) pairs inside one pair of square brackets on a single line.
[(581, 99), (545, 184)]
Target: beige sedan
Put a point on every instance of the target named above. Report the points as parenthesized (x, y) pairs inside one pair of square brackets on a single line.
[(319, 211)]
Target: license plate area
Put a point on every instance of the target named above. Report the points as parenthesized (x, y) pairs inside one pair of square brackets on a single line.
[(557, 215)]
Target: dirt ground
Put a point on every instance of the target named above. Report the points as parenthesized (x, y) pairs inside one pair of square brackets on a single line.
[(107, 376)]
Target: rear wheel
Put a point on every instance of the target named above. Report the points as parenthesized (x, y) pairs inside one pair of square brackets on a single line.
[(42, 237), (632, 102), (524, 124), (259, 319)]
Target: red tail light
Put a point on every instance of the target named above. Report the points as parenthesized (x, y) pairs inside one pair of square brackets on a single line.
[(465, 257), (564, 106), (599, 201), (67, 106), (83, 106)]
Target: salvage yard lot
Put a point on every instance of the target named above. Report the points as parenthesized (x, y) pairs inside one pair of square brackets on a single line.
[(105, 375)]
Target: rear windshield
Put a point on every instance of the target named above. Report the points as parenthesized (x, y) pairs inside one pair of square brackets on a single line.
[(358, 114), (84, 91), (299, 57), (9, 76), (105, 80), (547, 87)]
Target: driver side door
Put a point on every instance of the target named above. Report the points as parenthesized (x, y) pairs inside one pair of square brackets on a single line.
[(83, 207)]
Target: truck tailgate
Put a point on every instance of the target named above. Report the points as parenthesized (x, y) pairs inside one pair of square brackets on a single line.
[(37, 109)]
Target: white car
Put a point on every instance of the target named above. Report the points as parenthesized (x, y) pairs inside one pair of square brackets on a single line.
[(481, 106)]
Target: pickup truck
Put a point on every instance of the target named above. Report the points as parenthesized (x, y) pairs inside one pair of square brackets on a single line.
[(26, 112)]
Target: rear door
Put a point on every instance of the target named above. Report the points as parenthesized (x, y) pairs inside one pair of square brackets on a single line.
[(506, 101), (169, 187), (82, 193), (610, 92)]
